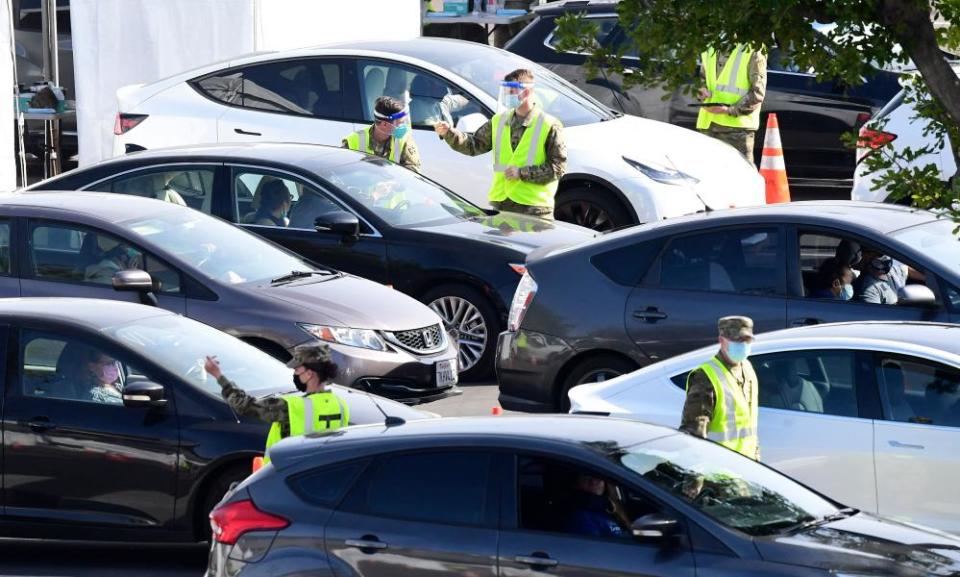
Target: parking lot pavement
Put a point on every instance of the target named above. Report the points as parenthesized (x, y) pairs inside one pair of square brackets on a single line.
[(36, 559), (477, 399)]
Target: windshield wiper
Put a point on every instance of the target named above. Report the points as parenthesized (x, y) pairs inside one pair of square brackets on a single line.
[(297, 274), (841, 514)]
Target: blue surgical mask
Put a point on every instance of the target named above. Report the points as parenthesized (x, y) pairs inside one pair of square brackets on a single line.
[(738, 352), (846, 293), (400, 131), (512, 101)]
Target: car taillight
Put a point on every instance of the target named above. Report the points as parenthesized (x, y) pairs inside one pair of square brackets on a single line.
[(518, 268), (874, 139), (862, 119), (229, 522), (522, 298), (126, 122)]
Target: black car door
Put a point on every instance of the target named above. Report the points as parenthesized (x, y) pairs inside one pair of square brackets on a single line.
[(76, 458), (702, 276), (425, 513), (364, 256), (555, 524)]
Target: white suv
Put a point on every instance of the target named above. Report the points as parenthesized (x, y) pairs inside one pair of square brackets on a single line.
[(621, 169)]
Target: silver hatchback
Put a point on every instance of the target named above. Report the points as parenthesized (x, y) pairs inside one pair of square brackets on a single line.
[(137, 249)]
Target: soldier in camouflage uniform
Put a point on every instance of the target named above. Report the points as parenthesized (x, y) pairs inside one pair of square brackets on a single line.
[(520, 119), (382, 135), (735, 333), (739, 138), (313, 369)]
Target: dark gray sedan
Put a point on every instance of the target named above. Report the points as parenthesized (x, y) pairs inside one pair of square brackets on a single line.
[(518, 496), (634, 297), (100, 245)]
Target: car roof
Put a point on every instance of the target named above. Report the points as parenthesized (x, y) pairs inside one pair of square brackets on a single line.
[(933, 335), (576, 431), (94, 314), (104, 205), (588, 6)]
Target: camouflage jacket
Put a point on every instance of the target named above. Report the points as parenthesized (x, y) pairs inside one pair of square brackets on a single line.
[(268, 410)]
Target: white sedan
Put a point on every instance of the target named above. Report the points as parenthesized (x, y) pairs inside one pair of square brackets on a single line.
[(621, 169), (867, 413)]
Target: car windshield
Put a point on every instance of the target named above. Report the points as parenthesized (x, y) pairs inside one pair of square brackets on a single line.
[(486, 69), (218, 250), (730, 488), (399, 196), (937, 240), (181, 346)]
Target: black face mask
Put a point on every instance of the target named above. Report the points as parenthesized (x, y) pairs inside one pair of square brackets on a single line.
[(296, 382)]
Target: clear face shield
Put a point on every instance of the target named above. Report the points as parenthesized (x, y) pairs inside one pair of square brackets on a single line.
[(512, 93), (396, 124)]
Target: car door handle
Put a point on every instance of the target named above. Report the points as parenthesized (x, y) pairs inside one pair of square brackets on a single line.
[(805, 322), (367, 542), (536, 560), (248, 133), (899, 445), (651, 315), (40, 424)]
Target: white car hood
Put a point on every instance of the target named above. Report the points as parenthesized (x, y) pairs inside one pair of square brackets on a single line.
[(726, 180)]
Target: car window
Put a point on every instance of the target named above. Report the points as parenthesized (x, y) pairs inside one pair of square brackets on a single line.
[(4, 247), (918, 391), (428, 98), (191, 187), (627, 265), (557, 497), (325, 487), (744, 261), (456, 491), (308, 87), (780, 59), (606, 30), (64, 252), (268, 199), (69, 368), (809, 381)]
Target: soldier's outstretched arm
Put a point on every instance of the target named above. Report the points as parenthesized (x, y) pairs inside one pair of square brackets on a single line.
[(268, 410)]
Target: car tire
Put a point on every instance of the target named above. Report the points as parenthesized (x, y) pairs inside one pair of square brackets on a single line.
[(214, 492), (592, 370), (472, 314), (592, 207)]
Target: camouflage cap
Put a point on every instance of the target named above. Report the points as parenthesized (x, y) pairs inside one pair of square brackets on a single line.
[(735, 327), (310, 355)]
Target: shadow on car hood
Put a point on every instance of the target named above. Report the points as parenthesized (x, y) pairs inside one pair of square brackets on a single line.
[(867, 544), (352, 302), (516, 231)]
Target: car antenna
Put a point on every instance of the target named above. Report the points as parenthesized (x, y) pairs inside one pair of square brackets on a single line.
[(388, 420), (706, 206)]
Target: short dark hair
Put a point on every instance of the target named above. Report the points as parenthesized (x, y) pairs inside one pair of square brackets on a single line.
[(519, 75), (387, 105), (830, 270), (326, 370), (274, 193)]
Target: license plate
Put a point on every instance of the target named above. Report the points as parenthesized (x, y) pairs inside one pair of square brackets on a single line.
[(446, 373)]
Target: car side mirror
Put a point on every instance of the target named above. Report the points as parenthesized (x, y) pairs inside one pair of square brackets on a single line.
[(653, 526), (916, 295), (135, 280), (471, 122), (143, 394), (340, 222)]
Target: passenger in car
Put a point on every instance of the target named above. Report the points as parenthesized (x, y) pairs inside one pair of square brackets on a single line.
[(274, 204), (102, 377), (875, 286), (120, 257), (834, 281), (597, 513)]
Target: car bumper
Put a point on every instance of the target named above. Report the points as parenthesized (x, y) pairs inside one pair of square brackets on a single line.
[(528, 364), (395, 374)]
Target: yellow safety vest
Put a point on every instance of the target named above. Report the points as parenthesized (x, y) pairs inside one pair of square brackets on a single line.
[(735, 418), (531, 151), (728, 88), (360, 140), (310, 414)]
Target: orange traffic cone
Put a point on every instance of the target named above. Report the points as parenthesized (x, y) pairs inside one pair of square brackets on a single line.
[(772, 168), (496, 411)]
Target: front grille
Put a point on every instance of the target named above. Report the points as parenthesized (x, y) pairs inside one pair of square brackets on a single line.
[(426, 340)]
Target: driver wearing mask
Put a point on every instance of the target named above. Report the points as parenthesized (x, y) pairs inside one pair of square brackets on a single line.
[(875, 286), (389, 137)]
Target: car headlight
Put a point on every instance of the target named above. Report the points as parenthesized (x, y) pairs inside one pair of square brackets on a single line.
[(662, 173), (363, 338)]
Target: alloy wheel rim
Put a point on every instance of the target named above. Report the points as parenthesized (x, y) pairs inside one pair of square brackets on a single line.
[(583, 213), (598, 376), (462, 315)]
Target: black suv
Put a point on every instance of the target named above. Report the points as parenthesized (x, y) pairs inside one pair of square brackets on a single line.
[(813, 115)]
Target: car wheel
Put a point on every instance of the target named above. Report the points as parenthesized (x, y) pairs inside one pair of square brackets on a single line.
[(592, 207), (593, 370), (469, 312), (215, 492)]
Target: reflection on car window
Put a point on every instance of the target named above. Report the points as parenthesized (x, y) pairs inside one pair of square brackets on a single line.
[(745, 261), (270, 200), (810, 381), (186, 187), (918, 391), (397, 195), (733, 490)]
